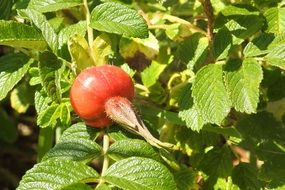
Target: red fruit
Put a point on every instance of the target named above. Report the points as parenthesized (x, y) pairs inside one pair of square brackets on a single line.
[(93, 87)]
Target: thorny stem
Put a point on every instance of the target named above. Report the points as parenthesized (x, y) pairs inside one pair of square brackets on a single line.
[(89, 29), (208, 9)]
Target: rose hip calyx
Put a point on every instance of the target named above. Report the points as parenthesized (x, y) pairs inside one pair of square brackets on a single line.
[(121, 111)]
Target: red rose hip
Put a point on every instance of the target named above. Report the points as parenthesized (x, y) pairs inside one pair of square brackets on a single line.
[(93, 87)]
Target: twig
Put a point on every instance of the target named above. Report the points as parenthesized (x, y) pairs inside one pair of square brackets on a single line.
[(175, 19), (89, 29), (208, 9)]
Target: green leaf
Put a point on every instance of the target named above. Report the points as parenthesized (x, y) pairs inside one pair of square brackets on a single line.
[(76, 143), (226, 131), (185, 178), (78, 186), (225, 184), (235, 10), (57, 23), (140, 174), (193, 50), (57, 174), (172, 31), (34, 76), (119, 19), (192, 117), (65, 114), (210, 95), (242, 82), (74, 149), (222, 44), (258, 46), (132, 47), (192, 142), (21, 98), (40, 21), (8, 129), (20, 35), (12, 69), (80, 130), (102, 49), (151, 74), (132, 147), (5, 9), (103, 187), (245, 176), (118, 133), (66, 33), (276, 56), (217, 162), (52, 5), (48, 117), (261, 126), (278, 40), (275, 18), (273, 155), (245, 26), (41, 101), (50, 68)]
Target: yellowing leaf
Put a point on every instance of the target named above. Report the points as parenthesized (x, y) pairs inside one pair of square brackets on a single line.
[(80, 52), (101, 49)]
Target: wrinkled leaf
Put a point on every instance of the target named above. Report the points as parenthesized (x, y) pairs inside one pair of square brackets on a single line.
[(12, 69), (151, 74), (40, 21), (276, 56), (242, 82), (66, 33), (119, 19), (222, 44), (258, 46), (20, 35), (50, 69), (217, 162), (48, 117), (193, 50), (76, 143), (275, 18), (52, 5), (132, 147), (245, 176), (210, 95), (56, 174), (140, 174)]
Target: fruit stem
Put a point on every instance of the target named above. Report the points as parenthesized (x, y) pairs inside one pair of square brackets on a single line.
[(106, 143), (121, 111), (105, 150)]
